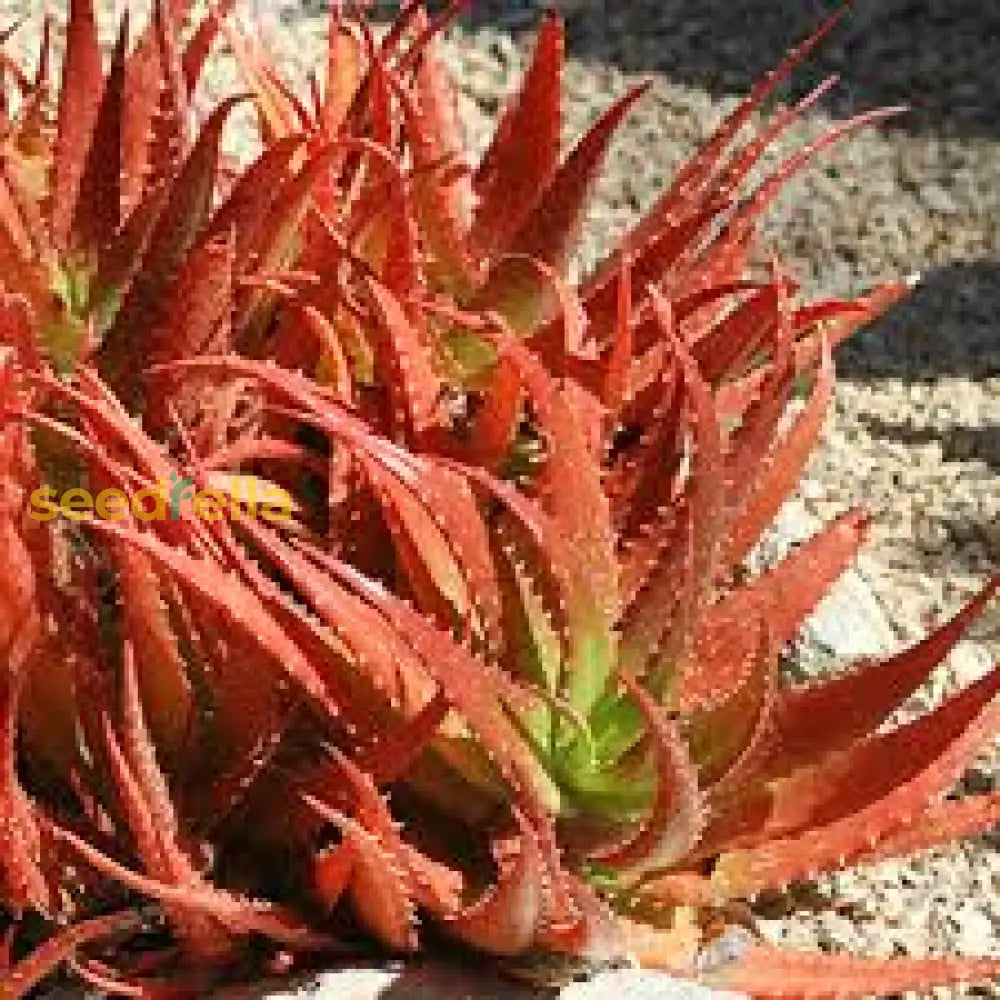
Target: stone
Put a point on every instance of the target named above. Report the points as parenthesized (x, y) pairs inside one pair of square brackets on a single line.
[(938, 199), (441, 982), (970, 662), (635, 984), (849, 623)]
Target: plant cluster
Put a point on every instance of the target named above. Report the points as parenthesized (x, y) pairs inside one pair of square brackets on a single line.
[(502, 675)]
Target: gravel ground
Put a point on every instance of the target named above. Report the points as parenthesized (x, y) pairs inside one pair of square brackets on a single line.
[(914, 433)]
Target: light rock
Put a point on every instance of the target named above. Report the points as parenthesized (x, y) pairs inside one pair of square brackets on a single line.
[(849, 623), (637, 985), (975, 933), (969, 662), (452, 983), (938, 199)]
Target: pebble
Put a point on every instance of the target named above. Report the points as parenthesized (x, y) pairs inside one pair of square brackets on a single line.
[(451, 983)]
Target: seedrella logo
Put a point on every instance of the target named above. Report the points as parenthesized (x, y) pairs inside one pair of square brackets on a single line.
[(178, 491), (235, 497)]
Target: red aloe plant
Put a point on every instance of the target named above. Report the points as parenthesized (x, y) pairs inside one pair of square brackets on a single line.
[(496, 662)]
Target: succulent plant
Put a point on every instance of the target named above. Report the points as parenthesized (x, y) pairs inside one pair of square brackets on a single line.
[(499, 664)]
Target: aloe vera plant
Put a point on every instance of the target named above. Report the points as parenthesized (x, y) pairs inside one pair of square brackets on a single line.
[(499, 668)]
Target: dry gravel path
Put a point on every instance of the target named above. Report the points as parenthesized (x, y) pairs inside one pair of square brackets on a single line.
[(915, 433)]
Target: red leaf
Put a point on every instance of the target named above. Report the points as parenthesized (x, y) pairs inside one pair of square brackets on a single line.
[(524, 154), (145, 800), (550, 230), (659, 633), (582, 518), (414, 387), (775, 482), (724, 740), (98, 209), (782, 598), (764, 971), (840, 810), (236, 604), (249, 203), (940, 823), (19, 981), (857, 702), (79, 100), (344, 72), (505, 921), (240, 916), (676, 821), (193, 318), (166, 688), (442, 188), (168, 139), (22, 880), (690, 183), (199, 48), (176, 229), (496, 421), (379, 886)]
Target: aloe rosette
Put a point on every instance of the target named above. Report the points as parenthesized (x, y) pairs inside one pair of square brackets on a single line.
[(502, 671)]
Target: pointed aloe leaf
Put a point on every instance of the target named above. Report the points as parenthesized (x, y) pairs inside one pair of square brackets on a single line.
[(763, 970), (650, 262), (194, 317), (859, 700), (551, 229), (240, 916), (524, 154), (660, 632), (344, 73), (782, 598), (166, 688), (496, 421), (237, 605), (247, 207), (38, 965), (733, 343), (199, 48), (838, 321), (379, 882), (169, 142), (505, 921), (676, 819), (442, 188), (177, 227), (940, 824), (98, 210), (775, 482), (22, 879), (694, 178), (822, 818), (582, 517), (79, 100), (414, 387), (724, 740), (152, 822)]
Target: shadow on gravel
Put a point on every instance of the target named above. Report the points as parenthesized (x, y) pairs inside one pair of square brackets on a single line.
[(950, 325), (958, 444), (939, 56)]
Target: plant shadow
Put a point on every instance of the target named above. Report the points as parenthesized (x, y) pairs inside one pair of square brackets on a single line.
[(949, 326), (938, 56)]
